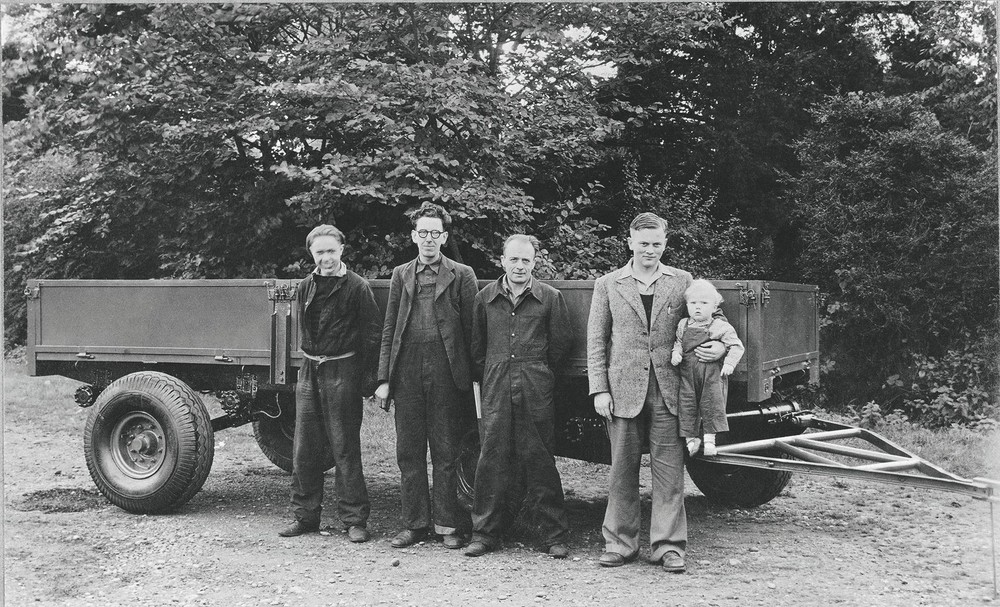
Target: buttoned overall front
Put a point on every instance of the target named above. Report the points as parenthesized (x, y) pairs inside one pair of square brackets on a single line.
[(425, 359), (516, 348), (703, 390)]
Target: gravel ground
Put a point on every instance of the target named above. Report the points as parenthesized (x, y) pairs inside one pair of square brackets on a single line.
[(821, 542)]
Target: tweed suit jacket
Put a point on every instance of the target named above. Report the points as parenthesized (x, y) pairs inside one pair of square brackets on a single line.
[(453, 297), (620, 347)]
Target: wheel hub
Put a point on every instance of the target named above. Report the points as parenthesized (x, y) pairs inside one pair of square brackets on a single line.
[(137, 445), (146, 444)]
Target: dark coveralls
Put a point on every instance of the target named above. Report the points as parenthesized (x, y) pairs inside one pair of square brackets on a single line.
[(339, 322), (703, 391), (515, 349), (427, 414)]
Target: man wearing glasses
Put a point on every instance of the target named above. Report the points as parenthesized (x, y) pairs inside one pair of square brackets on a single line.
[(425, 368)]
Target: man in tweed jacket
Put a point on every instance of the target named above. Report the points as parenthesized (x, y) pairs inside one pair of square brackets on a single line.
[(630, 333)]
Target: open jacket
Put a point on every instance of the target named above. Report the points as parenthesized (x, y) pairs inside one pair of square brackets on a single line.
[(456, 289), (620, 346)]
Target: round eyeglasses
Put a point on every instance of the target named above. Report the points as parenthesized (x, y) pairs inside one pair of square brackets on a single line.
[(435, 234)]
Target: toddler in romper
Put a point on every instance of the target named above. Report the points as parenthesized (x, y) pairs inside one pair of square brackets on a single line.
[(704, 386)]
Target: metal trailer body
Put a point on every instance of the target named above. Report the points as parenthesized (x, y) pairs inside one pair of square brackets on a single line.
[(144, 349)]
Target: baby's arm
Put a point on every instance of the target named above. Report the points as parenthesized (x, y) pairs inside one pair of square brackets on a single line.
[(677, 354), (732, 342)]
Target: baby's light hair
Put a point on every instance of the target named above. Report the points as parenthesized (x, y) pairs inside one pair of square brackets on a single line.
[(702, 286)]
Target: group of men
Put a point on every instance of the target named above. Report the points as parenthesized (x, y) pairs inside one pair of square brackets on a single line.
[(440, 335)]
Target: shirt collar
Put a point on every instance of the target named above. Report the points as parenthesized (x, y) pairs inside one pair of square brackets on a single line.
[(505, 285), (661, 270), (340, 273), (434, 267)]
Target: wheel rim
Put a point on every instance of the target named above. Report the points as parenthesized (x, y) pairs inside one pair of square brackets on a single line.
[(137, 445)]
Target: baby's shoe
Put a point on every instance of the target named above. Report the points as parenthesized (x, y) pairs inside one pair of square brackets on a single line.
[(693, 444), (710, 449)]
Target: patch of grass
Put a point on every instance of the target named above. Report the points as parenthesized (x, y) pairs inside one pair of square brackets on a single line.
[(959, 450), (378, 435), (46, 403)]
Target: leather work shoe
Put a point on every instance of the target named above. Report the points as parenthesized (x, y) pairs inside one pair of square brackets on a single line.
[(673, 562), (453, 541), (613, 559), (558, 551), (298, 528), (358, 534), (408, 537), (477, 549)]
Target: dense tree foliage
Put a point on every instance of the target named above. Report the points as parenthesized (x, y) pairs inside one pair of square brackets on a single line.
[(204, 140), (899, 223)]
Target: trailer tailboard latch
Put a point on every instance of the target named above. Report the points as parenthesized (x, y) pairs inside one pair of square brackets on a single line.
[(281, 292)]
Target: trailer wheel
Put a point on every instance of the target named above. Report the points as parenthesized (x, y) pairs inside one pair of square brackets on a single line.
[(148, 443), (738, 485), (275, 437)]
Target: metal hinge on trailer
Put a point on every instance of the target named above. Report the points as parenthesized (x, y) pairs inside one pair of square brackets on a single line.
[(280, 292), (749, 297)]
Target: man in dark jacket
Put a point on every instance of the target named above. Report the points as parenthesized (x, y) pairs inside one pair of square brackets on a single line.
[(425, 368), (521, 335), (339, 328)]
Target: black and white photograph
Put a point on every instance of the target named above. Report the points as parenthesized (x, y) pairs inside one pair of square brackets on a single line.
[(311, 304)]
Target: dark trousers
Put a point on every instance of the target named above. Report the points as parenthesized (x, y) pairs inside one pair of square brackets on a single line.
[(427, 413), (518, 436), (328, 411), (702, 397)]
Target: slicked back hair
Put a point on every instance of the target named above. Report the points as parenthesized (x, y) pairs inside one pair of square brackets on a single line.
[(647, 221), (534, 242), (429, 209), (324, 230)]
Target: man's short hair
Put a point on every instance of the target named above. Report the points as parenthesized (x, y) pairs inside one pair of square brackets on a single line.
[(647, 221), (534, 242), (429, 209), (324, 230), (703, 286)]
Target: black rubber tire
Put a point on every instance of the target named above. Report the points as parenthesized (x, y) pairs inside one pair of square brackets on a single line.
[(148, 443), (275, 437), (738, 485)]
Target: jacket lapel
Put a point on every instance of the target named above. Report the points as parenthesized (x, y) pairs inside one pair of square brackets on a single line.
[(664, 292), (409, 279), (626, 286), (445, 277)]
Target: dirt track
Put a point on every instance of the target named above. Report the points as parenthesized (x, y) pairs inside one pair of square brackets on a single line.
[(822, 542)]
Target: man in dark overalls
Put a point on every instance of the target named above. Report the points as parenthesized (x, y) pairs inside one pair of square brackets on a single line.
[(425, 369), (521, 335), (339, 328)]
